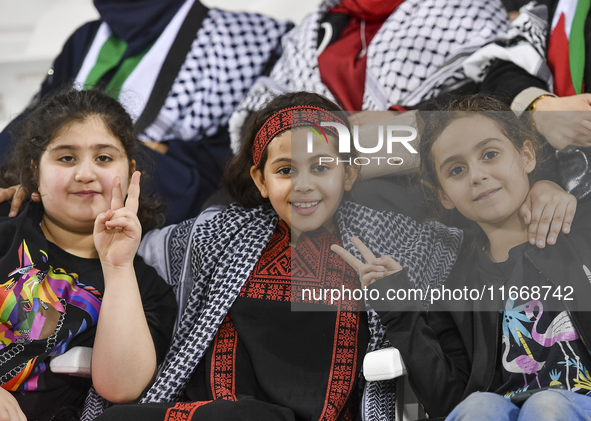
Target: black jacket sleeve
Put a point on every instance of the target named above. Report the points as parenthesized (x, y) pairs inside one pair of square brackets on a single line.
[(505, 80)]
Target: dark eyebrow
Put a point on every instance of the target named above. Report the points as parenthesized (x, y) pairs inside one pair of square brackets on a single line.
[(479, 145), (282, 159), (67, 147), (101, 147)]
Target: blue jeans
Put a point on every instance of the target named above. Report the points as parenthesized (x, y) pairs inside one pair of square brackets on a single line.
[(549, 405)]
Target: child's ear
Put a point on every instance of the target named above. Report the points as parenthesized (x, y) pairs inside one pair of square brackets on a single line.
[(351, 174), (257, 176), (529, 156), (445, 200)]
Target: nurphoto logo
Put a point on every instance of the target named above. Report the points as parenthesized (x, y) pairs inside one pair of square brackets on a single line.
[(345, 143)]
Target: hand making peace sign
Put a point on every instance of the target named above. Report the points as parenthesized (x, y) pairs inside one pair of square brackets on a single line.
[(117, 232), (374, 269)]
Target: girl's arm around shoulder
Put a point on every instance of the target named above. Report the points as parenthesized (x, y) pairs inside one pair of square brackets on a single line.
[(430, 344)]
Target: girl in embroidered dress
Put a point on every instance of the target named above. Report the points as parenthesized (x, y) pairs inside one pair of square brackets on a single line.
[(264, 334), (530, 330), (69, 267)]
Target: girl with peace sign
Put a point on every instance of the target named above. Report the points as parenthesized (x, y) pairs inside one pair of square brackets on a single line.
[(70, 273), (264, 334)]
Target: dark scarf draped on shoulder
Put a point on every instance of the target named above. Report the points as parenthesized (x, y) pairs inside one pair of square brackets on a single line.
[(138, 22)]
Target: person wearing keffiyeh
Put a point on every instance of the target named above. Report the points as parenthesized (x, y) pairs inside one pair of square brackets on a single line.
[(388, 56), (175, 67), (373, 55), (249, 346)]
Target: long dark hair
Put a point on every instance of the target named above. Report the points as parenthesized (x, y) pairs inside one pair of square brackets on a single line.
[(56, 112), (237, 180)]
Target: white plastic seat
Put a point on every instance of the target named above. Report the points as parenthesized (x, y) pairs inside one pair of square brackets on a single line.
[(75, 361), (387, 364)]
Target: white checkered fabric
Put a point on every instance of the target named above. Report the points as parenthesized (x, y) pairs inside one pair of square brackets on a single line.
[(416, 55), (524, 44), (229, 52), (217, 256)]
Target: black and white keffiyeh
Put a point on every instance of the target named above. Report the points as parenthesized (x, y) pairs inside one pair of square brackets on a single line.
[(524, 44), (229, 52), (416, 55), (214, 258), (217, 256)]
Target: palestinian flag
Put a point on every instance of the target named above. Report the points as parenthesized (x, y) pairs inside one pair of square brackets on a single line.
[(566, 49)]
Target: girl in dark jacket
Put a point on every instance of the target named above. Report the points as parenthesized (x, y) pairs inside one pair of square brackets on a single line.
[(511, 318)]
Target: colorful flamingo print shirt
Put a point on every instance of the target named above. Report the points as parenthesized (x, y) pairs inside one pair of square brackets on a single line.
[(50, 302), (540, 346)]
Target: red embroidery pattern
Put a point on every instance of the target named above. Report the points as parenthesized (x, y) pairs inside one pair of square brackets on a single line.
[(286, 119), (223, 383), (314, 266), (282, 273), (344, 363), (183, 411), (270, 278)]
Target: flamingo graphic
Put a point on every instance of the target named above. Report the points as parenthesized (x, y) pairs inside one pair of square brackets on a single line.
[(522, 364), (561, 329)]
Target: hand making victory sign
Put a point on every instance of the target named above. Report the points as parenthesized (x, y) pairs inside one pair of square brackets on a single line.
[(128, 363), (117, 232), (374, 269)]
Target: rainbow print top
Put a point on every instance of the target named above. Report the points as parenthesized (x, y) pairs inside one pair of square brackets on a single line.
[(34, 302)]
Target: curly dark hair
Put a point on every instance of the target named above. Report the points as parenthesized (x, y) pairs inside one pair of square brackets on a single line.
[(53, 114), (433, 122), (237, 180)]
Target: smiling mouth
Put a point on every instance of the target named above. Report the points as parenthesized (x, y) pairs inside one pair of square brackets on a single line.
[(486, 194), (305, 208), (304, 205)]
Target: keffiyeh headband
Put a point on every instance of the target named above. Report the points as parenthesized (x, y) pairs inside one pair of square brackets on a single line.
[(291, 117)]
